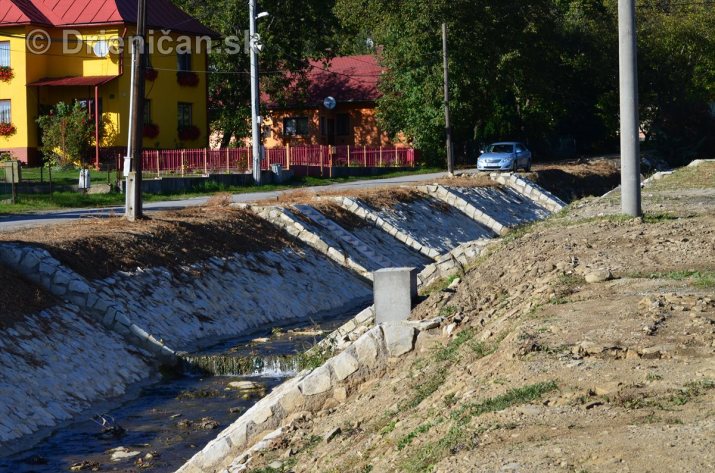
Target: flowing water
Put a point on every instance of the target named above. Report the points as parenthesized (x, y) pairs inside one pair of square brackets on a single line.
[(168, 422)]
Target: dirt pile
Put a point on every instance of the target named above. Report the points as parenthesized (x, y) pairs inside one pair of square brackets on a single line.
[(536, 369), (98, 248)]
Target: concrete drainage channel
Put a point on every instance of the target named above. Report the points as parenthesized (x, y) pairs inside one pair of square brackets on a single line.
[(99, 344)]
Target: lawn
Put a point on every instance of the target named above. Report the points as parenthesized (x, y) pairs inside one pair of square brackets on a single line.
[(28, 203)]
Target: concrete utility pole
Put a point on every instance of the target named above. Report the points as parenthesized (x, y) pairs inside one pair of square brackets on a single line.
[(136, 120), (630, 122), (448, 125), (256, 120)]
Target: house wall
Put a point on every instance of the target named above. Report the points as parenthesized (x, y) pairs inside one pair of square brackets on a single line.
[(165, 93), (364, 129)]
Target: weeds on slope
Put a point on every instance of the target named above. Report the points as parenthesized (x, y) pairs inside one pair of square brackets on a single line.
[(459, 437)]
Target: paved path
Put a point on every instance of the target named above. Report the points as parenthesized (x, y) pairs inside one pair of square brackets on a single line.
[(14, 222)]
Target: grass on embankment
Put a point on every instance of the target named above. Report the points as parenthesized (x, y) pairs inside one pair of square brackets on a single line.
[(72, 200)]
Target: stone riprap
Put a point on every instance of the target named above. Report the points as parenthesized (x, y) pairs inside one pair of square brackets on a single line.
[(433, 224), (231, 296), (531, 190), (294, 226), (327, 385), (503, 205), (38, 266), (57, 363)]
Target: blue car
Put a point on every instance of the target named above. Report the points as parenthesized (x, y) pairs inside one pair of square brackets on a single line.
[(505, 156)]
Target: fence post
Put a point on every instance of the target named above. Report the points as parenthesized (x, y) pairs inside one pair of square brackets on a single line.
[(364, 156), (380, 156), (287, 157), (348, 155), (206, 163), (182, 163), (397, 159), (228, 161), (158, 168), (320, 152)]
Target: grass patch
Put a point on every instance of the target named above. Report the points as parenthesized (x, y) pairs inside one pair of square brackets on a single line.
[(421, 429), (424, 390), (312, 359), (447, 311), (692, 390), (459, 438), (704, 279), (449, 352)]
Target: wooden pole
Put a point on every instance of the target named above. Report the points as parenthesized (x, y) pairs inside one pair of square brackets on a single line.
[(228, 161), (206, 163), (380, 156), (287, 157), (348, 155), (364, 156), (182, 163), (158, 168)]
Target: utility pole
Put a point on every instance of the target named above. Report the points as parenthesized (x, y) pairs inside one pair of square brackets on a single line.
[(448, 126), (256, 120), (630, 122), (136, 119)]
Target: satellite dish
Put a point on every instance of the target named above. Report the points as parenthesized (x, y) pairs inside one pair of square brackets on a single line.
[(101, 48), (330, 103)]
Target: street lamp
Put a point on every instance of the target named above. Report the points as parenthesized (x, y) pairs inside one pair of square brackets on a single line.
[(256, 120)]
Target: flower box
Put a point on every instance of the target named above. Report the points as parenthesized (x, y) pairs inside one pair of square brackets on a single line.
[(151, 74), (151, 130), (7, 129), (189, 133), (6, 74), (187, 78)]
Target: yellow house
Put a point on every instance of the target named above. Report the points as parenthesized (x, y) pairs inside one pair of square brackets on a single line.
[(79, 50)]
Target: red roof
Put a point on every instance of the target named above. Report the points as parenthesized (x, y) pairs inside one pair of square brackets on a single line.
[(73, 81), (346, 79), (161, 14)]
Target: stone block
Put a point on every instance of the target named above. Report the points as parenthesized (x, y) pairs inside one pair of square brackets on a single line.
[(292, 400), (399, 338), (366, 347), (394, 290), (316, 382), (344, 365)]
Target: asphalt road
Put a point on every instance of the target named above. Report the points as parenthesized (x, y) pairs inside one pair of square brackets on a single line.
[(15, 222)]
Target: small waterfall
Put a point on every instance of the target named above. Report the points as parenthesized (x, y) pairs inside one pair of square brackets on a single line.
[(275, 366)]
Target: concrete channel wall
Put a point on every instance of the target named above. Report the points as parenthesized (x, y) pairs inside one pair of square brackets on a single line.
[(145, 316)]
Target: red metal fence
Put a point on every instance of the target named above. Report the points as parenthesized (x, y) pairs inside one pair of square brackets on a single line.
[(180, 162)]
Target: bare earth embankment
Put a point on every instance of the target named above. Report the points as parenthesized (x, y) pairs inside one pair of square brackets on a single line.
[(583, 343)]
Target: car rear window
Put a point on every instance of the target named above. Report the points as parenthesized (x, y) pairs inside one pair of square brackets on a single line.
[(501, 149)]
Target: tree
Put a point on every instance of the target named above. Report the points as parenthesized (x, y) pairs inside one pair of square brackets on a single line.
[(294, 33), (67, 134), (540, 71)]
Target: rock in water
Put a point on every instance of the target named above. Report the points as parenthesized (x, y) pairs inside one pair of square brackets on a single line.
[(246, 385)]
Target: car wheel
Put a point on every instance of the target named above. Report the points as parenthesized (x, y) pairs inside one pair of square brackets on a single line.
[(527, 168), (515, 166)]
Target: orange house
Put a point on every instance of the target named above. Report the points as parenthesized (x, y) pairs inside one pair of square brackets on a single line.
[(337, 109)]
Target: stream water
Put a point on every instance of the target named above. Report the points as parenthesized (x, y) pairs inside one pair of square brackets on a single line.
[(168, 422)]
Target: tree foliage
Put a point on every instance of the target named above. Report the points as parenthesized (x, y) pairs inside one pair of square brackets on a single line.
[(67, 134), (292, 34), (538, 71)]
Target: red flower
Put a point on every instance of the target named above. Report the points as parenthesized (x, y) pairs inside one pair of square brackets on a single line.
[(187, 78), (151, 130), (151, 74), (6, 73), (189, 133), (7, 129)]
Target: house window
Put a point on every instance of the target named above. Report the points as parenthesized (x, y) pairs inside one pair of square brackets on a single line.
[(5, 116), (185, 115), (295, 126), (183, 62), (147, 112), (342, 125), (88, 104), (4, 53)]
